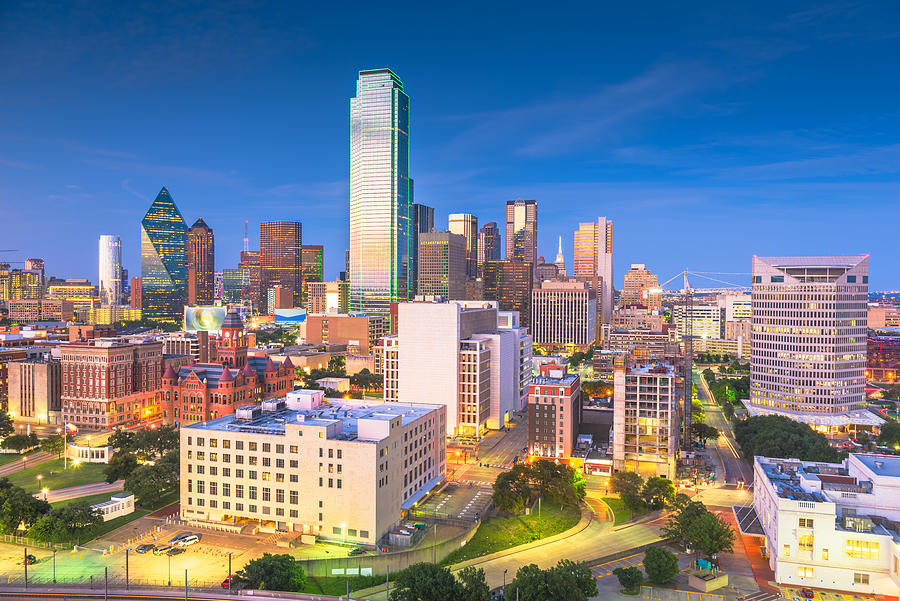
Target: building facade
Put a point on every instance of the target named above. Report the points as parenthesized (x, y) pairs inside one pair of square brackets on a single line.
[(554, 412), (110, 270), (466, 225), (645, 419), (312, 266), (521, 231), (422, 222), (380, 220), (281, 258), (35, 390), (563, 315), (442, 261), (489, 245), (359, 332), (593, 250), (163, 271), (808, 340), (641, 288), (31, 310), (883, 359), (328, 297), (200, 258), (343, 470), (510, 284)]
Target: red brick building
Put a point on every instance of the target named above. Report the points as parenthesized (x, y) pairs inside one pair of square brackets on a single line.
[(206, 391)]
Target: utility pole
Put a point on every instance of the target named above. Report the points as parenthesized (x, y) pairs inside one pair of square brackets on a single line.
[(126, 569), (25, 563), (229, 574)]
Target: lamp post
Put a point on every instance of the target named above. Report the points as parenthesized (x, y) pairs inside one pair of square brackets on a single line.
[(40, 477), (170, 570), (503, 590), (54, 566)]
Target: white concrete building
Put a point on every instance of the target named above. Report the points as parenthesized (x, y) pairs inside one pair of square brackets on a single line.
[(564, 314), (706, 319), (645, 419), (808, 340), (118, 505), (337, 469), (830, 526)]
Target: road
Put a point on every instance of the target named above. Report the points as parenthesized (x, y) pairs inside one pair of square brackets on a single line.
[(26, 461), (733, 467), (64, 494)]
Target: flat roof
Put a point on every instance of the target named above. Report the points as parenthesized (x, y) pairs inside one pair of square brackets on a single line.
[(880, 465)]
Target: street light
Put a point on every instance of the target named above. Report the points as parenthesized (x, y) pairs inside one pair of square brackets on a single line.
[(503, 590), (45, 491)]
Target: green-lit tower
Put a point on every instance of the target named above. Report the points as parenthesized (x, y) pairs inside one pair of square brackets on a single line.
[(163, 272)]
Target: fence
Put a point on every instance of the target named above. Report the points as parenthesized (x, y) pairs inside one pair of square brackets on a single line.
[(27, 542), (99, 582), (667, 594)]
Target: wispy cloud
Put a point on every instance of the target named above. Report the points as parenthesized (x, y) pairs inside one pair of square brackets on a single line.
[(18, 165), (126, 185), (198, 174)]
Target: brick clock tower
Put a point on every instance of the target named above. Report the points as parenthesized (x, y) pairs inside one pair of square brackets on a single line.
[(232, 345)]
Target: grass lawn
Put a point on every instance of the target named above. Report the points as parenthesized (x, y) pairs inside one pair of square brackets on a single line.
[(498, 533), (166, 499), (75, 475), (337, 586), (621, 513), (89, 499), (118, 522)]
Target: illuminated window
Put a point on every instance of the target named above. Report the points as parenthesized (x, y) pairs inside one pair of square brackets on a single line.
[(806, 522), (824, 554), (861, 549), (787, 551), (860, 579), (805, 542), (804, 572)]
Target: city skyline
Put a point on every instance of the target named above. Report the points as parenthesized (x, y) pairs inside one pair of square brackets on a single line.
[(731, 156)]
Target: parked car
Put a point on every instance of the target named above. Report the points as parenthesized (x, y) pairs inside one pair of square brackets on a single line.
[(178, 537), (30, 559), (144, 548), (229, 581), (161, 549), (808, 593), (175, 551), (187, 541), (357, 551)]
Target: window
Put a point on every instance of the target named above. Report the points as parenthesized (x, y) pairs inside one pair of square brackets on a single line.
[(295, 497), (251, 446), (279, 449), (294, 463), (267, 448), (279, 462), (267, 494), (294, 478), (804, 572), (824, 554), (239, 491), (213, 471), (851, 279), (251, 474), (267, 462), (294, 449), (213, 442), (364, 534), (860, 578), (806, 522), (294, 513), (267, 476), (861, 549), (239, 445), (252, 492), (335, 530), (805, 542), (253, 461), (787, 551), (279, 495), (777, 279), (226, 444)]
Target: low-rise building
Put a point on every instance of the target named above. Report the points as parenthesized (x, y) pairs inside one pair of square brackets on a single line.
[(645, 419), (35, 390), (883, 359), (554, 412), (359, 332), (832, 526), (642, 344), (342, 470)]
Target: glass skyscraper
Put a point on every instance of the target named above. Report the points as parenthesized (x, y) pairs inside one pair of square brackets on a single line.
[(110, 270), (380, 219), (312, 267), (163, 272)]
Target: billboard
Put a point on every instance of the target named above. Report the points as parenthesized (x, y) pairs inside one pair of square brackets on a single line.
[(203, 319), (289, 316)]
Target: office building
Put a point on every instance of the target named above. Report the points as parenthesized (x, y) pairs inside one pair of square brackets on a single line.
[(560, 261), (510, 284), (884, 316), (593, 261), (235, 286), (544, 271), (281, 258), (808, 340), (645, 419), (489, 242), (457, 354), (111, 382), (422, 222), (35, 390), (110, 270), (201, 264), (883, 359), (828, 526), (466, 225), (641, 288), (604, 363), (250, 261), (80, 293), (442, 264), (134, 293), (113, 314), (359, 332), (313, 266), (704, 320), (380, 219), (641, 343), (163, 273), (279, 297), (40, 309), (328, 297), (20, 284), (341, 470), (637, 318), (521, 231), (563, 315), (554, 412), (36, 265), (195, 345)]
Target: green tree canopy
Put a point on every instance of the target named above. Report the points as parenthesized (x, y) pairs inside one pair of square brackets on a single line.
[(426, 582), (120, 466), (149, 482), (778, 436), (273, 573), (631, 578), (72, 522), (711, 534), (474, 585), (566, 581), (658, 492), (20, 442), (53, 444), (660, 565), (629, 486), (890, 434), (704, 432), (17, 507), (6, 424)]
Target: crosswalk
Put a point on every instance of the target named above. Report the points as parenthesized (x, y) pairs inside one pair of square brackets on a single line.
[(761, 596)]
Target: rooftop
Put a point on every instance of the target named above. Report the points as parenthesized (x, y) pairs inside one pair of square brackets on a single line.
[(272, 417), (653, 369), (880, 465)]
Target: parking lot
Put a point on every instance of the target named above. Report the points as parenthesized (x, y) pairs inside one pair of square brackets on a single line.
[(458, 502)]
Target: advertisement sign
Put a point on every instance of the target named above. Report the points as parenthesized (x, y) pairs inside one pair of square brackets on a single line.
[(203, 319), (289, 316)]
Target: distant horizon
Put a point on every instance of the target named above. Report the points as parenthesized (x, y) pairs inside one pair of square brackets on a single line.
[(706, 135)]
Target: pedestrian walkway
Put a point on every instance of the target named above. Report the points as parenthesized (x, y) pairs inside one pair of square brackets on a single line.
[(761, 596)]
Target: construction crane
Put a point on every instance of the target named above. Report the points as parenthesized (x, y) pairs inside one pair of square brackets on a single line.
[(246, 237)]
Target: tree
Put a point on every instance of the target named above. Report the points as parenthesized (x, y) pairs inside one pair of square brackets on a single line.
[(120, 466), (474, 585), (6, 424), (530, 584), (629, 486), (149, 482), (582, 575), (273, 573), (631, 578), (54, 445), (703, 432), (425, 582), (658, 492), (73, 522), (17, 507), (890, 434), (154, 442), (512, 490), (566, 581), (121, 440), (681, 521), (660, 565), (711, 535), (20, 442), (778, 436)]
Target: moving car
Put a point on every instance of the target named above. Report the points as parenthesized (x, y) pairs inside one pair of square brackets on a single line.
[(188, 540), (161, 549), (356, 551), (174, 551), (30, 559), (144, 548)]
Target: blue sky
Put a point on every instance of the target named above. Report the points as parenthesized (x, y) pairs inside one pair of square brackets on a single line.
[(707, 131)]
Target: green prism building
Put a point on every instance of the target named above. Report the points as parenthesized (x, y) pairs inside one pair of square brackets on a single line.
[(163, 271), (381, 252)]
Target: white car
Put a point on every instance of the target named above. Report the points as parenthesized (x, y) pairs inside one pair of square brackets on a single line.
[(187, 541)]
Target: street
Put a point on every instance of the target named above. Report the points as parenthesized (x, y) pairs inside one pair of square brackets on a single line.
[(733, 467), (74, 492)]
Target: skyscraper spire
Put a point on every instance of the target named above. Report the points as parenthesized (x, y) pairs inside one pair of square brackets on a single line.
[(560, 261)]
